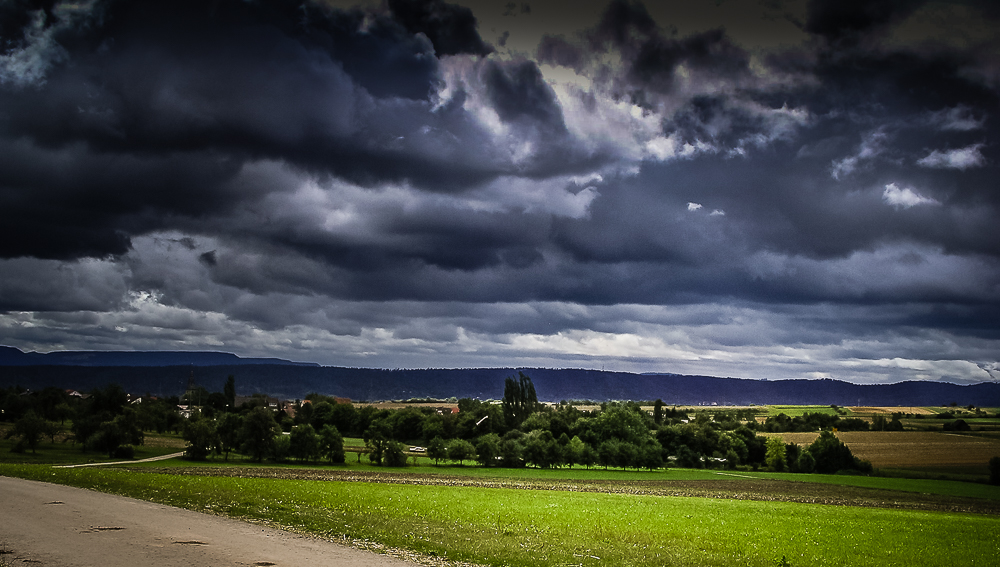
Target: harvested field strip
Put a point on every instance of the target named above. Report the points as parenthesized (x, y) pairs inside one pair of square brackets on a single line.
[(919, 449), (889, 410), (911, 449)]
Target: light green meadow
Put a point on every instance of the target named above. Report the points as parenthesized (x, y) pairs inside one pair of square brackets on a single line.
[(503, 526)]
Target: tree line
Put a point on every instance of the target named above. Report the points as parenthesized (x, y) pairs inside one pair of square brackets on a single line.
[(519, 431), (105, 420)]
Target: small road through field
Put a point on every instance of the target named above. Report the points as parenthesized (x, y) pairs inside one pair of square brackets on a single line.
[(49, 525), (150, 459)]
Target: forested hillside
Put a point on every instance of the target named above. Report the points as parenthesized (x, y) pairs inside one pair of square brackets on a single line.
[(294, 382)]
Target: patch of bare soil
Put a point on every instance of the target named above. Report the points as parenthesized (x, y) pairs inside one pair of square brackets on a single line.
[(727, 487)]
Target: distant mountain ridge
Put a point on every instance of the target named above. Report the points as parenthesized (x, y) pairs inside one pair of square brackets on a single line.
[(294, 380), (10, 356)]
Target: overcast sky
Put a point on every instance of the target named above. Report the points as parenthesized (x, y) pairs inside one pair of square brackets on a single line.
[(747, 188)]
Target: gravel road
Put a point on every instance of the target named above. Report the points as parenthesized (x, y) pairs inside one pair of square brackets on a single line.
[(49, 525)]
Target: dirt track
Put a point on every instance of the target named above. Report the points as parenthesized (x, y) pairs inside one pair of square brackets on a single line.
[(49, 525)]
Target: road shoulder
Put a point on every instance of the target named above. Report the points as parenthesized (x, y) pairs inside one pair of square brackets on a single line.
[(61, 526)]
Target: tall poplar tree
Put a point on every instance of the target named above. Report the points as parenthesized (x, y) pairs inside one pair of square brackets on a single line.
[(229, 390), (519, 399)]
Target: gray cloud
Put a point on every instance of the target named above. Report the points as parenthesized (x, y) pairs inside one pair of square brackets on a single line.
[(30, 284), (962, 158), (381, 187)]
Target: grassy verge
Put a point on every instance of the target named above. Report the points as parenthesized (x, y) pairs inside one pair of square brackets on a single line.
[(541, 528)]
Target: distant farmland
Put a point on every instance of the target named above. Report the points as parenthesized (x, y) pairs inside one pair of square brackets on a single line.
[(917, 450), (871, 410)]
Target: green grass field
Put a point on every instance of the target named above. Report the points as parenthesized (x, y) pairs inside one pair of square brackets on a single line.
[(426, 467), (163, 444), (534, 525), (796, 411), (924, 486), (540, 528)]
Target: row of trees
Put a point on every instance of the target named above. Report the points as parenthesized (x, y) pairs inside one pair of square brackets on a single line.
[(104, 421), (688, 445), (256, 433), (518, 431), (815, 421)]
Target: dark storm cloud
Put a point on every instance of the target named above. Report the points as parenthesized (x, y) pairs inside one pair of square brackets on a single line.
[(653, 58), (451, 28), (624, 23), (208, 258), (383, 179), (151, 107), (642, 232), (16, 18), (68, 203), (176, 76), (977, 320), (305, 85), (372, 48), (902, 83), (710, 52), (518, 93), (874, 118), (44, 285), (846, 22), (883, 116), (714, 118), (408, 244), (558, 51), (691, 78)]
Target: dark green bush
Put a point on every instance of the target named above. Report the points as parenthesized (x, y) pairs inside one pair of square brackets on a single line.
[(957, 425), (393, 456), (124, 452)]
